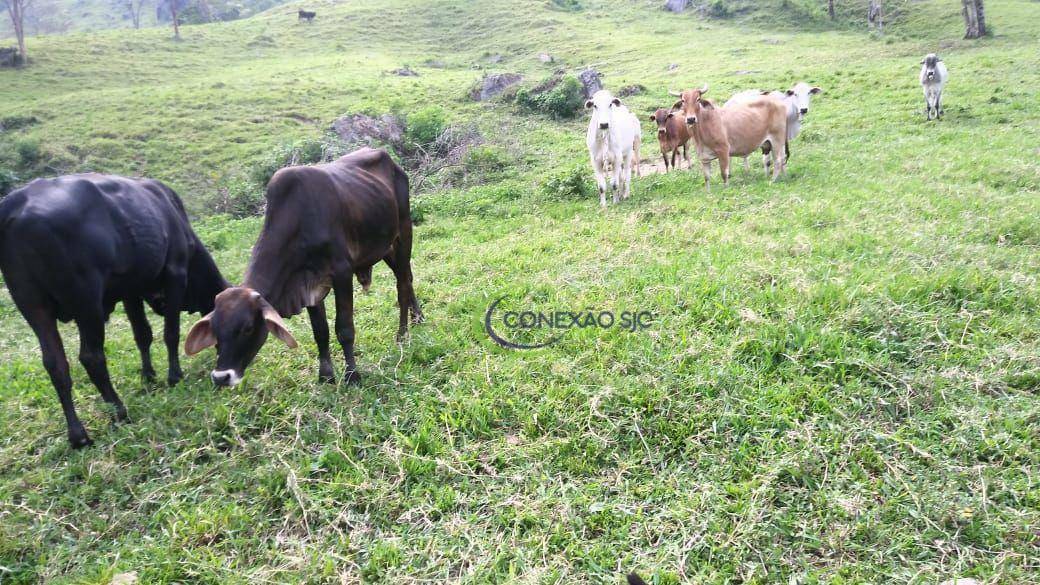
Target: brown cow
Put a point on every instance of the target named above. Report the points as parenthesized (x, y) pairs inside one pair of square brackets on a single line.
[(737, 130), (672, 133), (324, 224)]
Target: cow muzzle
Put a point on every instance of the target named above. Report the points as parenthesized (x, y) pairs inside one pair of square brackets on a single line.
[(691, 120), (225, 378), (803, 111), (604, 126), (660, 130)]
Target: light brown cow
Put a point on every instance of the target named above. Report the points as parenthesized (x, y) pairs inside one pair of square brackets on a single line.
[(737, 130), (672, 134)]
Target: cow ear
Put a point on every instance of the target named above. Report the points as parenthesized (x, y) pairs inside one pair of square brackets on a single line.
[(671, 114), (201, 336), (653, 118), (616, 102), (815, 90), (789, 92), (706, 104), (588, 104), (677, 105), (277, 327)]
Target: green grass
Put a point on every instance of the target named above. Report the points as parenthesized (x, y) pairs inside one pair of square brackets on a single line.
[(840, 385)]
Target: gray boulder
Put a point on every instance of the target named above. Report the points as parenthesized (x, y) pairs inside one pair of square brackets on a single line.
[(676, 5), (362, 130), (493, 84), (591, 81)]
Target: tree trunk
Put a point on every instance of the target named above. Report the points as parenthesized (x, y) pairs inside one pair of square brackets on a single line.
[(830, 8), (980, 17), (16, 10), (176, 27), (974, 19)]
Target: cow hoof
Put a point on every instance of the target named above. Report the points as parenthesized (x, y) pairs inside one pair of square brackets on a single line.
[(326, 379), (353, 378), (148, 376), (79, 440), (174, 379), (120, 415)]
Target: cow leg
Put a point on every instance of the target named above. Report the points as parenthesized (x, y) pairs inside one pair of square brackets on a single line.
[(320, 328), (601, 180), (52, 350), (401, 256), (747, 165), (92, 356), (706, 167), (938, 105), (174, 298), (142, 336), (626, 176), (615, 178), (664, 155), (724, 166), (343, 286)]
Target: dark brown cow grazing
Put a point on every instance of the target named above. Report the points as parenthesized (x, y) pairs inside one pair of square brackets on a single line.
[(73, 247), (672, 133), (324, 224), (307, 15)]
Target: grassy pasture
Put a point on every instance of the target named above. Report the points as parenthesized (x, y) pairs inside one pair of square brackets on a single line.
[(840, 384)]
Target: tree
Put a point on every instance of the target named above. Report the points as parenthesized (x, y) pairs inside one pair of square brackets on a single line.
[(875, 15), (134, 7), (16, 10), (830, 8), (176, 26), (974, 19)]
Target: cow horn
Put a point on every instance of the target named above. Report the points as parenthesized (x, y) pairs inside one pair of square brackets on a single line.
[(704, 89), (674, 93)]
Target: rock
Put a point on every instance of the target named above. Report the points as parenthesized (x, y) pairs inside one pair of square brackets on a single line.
[(676, 5), (673, 66), (494, 59), (436, 64), (494, 84), (359, 129), (124, 578), (630, 90), (404, 72), (10, 57), (591, 81), (546, 58)]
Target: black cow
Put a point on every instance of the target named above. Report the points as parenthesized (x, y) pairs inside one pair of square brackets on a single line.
[(74, 246), (324, 224), (307, 15)]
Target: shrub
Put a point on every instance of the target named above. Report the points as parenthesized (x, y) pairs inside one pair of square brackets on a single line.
[(568, 5), (289, 154), (482, 164), (561, 100), (8, 181), (424, 126), (569, 183), (718, 9), (28, 151), (239, 197)]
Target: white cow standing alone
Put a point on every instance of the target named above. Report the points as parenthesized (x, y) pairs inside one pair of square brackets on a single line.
[(933, 78), (611, 138)]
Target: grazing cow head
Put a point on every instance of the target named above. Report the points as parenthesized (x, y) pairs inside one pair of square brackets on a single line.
[(238, 326), (931, 63), (800, 94), (603, 106), (661, 117), (690, 105)]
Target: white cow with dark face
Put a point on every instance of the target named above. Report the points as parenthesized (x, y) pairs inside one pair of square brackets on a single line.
[(795, 99), (611, 138), (933, 78)]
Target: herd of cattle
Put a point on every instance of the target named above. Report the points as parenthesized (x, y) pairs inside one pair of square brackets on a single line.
[(750, 120), (73, 247)]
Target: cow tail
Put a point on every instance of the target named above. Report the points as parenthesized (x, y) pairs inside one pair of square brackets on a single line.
[(401, 191)]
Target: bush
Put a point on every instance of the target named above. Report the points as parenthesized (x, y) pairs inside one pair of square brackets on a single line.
[(718, 9), (568, 5), (239, 197), (8, 181), (563, 100), (571, 183), (424, 126), (287, 155), (482, 164), (28, 151)]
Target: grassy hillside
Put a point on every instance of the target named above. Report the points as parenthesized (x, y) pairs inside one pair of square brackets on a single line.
[(840, 384)]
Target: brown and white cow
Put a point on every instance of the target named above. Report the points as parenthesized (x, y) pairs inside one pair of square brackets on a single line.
[(734, 131), (672, 134), (324, 225)]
